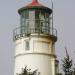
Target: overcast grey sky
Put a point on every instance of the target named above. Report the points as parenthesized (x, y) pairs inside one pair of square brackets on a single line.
[(64, 22)]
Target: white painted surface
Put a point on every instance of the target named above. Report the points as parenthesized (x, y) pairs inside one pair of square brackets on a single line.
[(44, 63), (40, 45), (39, 56)]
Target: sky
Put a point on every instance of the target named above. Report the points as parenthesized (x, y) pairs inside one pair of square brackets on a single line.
[(64, 22)]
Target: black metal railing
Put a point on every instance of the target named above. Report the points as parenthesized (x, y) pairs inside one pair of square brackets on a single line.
[(36, 26), (23, 31)]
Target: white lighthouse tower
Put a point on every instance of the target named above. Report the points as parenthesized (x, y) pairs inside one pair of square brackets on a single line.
[(35, 40)]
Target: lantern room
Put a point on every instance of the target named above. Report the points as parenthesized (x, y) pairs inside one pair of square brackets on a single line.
[(35, 19)]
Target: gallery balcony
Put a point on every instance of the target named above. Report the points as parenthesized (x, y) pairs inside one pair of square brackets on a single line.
[(25, 32)]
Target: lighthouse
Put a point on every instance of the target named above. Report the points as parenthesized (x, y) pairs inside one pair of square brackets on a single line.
[(35, 40)]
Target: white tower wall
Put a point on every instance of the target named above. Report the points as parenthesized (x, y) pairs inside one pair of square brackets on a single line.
[(41, 44), (43, 62), (39, 56)]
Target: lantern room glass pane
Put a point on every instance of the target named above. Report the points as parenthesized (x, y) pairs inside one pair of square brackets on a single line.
[(31, 19), (24, 16), (35, 21), (42, 21)]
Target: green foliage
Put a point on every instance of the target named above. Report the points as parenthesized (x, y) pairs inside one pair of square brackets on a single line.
[(26, 71), (74, 71), (67, 65)]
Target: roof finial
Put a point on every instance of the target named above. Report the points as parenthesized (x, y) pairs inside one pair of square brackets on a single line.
[(35, 0)]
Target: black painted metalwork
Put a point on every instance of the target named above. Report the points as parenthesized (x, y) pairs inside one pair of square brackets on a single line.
[(26, 31)]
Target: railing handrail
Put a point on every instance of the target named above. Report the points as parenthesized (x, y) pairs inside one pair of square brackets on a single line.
[(17, 31)]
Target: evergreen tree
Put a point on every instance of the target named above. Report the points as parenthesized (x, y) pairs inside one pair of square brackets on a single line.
[(67, 64), (74, 71), (26, 71)]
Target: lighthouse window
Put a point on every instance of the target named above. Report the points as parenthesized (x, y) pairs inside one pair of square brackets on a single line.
[(37, 12), (27, 45), (42, 15), (31, 15), (37, 21), (24, 16), (31, 20), (53, 48)]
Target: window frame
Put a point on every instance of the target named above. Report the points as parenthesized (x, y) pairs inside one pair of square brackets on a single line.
[(27, 45)]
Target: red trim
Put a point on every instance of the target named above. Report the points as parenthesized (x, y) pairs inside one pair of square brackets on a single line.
[(35, 3)]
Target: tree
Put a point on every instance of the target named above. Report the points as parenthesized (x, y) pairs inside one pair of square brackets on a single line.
[(26, 71), (67, 64), (74, 72)]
